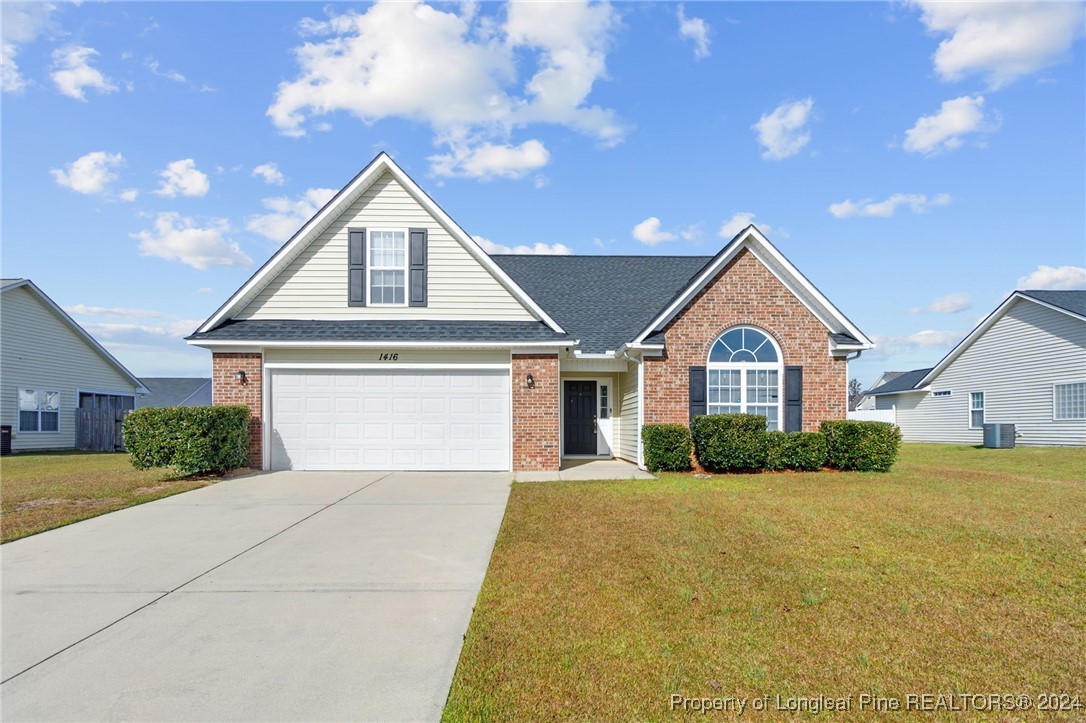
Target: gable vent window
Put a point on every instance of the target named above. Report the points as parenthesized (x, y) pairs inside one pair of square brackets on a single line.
[(39, 410), (942, 393), (387, 268), (1070, 400)]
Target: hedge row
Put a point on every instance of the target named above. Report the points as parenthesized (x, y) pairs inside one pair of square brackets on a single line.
[(740, 443), (191, 440)]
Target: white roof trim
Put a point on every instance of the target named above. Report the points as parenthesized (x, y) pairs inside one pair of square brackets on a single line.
[(752, 238), (984, 326), (314, 226), (83, 334), (380, 344)]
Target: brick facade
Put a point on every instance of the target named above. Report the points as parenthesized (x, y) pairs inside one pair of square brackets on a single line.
[(535, 412), (745, 292), (225, 389)]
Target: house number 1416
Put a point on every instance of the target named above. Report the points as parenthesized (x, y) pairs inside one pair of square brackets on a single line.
[(387, 357)]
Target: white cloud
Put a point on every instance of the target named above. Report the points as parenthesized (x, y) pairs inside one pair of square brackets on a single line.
[(287, 215), (177, 238), (539, 249), (949, 304), (648, 232), (945, 130), (84, 310), (696, 30), (917, 202), (458, 73), (1056, 278), (1002, 41), (129, 194), (90, 174), (156, 69), (21, 23), (490, 160), (183, 178), (270, 173), (783, 132), (740, 221), (72, 73), (929, 337)]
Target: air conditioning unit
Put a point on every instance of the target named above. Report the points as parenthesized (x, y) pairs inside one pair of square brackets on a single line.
[(998, 436)]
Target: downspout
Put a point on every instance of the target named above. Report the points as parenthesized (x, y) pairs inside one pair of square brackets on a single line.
[(640, 405), (848, 358)]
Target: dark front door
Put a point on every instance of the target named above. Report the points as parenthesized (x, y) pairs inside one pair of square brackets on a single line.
[(580, 423)]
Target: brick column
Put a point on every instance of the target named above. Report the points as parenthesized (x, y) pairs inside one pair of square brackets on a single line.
[(535, 413), (225, 389)]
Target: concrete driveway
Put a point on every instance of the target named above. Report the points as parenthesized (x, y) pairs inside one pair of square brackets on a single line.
[(283, 596)]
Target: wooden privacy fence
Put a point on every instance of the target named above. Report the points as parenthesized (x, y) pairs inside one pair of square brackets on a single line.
[(98, 429)]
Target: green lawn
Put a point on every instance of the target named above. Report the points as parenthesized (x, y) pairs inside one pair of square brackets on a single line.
[(41, 491), (962, 570)]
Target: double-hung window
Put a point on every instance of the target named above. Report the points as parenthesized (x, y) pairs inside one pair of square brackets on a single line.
[(744, 375), (39, 410), (387, 267), (1069, 401), (976, 410)]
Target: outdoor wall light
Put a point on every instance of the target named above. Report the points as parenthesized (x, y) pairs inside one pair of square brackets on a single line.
[(531, 382), (240, 376)]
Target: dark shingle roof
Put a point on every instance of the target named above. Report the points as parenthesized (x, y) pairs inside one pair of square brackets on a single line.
[(175, 392), (372, 330), (605, 301), (844, 339), (1073, 301), (901, 383)]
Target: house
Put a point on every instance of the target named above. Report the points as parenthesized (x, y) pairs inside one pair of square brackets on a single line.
[(1024, 364), (868, 402), (175, 392), (50, 367), (381, 336)]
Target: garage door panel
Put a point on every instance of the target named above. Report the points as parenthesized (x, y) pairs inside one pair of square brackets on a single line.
[(390, 420)]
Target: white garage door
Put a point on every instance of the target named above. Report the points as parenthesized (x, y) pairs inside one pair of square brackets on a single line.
[(430, 420)]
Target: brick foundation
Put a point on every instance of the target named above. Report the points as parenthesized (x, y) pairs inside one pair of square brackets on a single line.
[(225, 389), (535, 413), (745, 292)]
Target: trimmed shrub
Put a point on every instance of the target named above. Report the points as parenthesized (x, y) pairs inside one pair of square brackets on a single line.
[(776, 451), (861, 446), (730, 442), (805, 451), (191, 440), (667, 447)]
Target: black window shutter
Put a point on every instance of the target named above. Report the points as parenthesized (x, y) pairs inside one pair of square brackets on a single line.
[(356, 267), (417, 267), (793, 399), (698, 396)]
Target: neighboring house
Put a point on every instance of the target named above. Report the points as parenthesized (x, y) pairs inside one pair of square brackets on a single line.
[(1024, 364), (49, 367), (868, 402), (175, 392), (381, 336)]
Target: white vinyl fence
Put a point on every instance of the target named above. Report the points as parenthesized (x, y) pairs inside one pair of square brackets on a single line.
[(874, 415)]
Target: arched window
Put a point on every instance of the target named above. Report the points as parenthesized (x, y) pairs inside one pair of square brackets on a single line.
[(744, 373)]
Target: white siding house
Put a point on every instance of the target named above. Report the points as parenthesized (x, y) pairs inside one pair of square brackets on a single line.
[(50, 366), (1025, 365)]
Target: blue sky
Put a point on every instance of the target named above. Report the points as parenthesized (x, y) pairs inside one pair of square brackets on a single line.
[(913, 164)]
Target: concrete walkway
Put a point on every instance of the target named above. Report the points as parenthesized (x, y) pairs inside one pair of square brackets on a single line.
[(285, 596), (587, 469)]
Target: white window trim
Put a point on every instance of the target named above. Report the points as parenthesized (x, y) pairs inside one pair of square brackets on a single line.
[(1055, 402), (983, 408), (370, 268), (743, 367), (19, 411)]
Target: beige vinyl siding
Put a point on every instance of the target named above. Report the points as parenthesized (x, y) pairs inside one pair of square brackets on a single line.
[(40, 351), (626, 415), (314, 284), (373, 356), (1015, 363)]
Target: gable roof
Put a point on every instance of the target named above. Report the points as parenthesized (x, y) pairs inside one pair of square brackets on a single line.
[(604, 301), (380, 165), (175, 392), (1072, 303), (903, 382), (12, 284), (808, 294)]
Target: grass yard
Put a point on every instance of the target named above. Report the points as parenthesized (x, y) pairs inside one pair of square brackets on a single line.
[(963, 570), (41, 491)]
